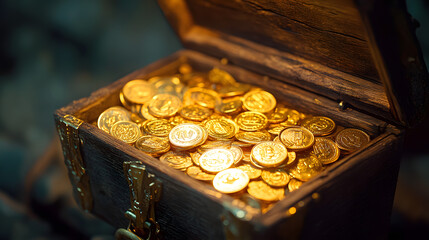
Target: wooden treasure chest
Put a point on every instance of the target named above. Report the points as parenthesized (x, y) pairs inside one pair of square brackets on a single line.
[(355, 62)]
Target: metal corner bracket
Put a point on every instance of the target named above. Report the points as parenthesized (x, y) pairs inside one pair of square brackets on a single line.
[(68, 131)]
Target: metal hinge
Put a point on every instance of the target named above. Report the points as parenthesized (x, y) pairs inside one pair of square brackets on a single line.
[(68, 130), (145, 191)]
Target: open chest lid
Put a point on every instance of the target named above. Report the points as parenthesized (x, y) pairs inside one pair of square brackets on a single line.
[(361, 52)]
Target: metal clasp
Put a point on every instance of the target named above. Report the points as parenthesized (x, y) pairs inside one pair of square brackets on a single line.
[(145, 191)]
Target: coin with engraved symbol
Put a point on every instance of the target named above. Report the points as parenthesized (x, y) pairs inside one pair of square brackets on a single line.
[(229, 106), (138, 91), (230, 180), (351, 139), (216, 160), (221, 128), (111, 116), (157, 127), (201, 96), (186, 135), (297, 138), (126, 131), (153, 145), (275, 178), (195, 112), (164, 105), (251, 171), (259, 101), (306, 168), (319, 126), (269, 154), (262, 191), (294, 184), (199, 174), (325, 150), (278, 115), (251, 121), (177, 160), (253, 137)]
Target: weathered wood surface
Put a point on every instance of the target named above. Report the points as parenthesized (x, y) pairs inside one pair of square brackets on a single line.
[(192, 210), (398, 58), (321, 46)]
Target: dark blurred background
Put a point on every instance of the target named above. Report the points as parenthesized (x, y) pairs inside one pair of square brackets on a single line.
[(54, 52)]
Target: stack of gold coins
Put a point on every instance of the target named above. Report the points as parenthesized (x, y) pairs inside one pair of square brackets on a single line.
[(234, 136)]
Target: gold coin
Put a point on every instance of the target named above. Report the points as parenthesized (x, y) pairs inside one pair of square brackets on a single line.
[(307, 167), (241, 144), (294, 184), (186, 135), (237, 152), (325, 150), (126, 131), (259, 101), (124, 102), (253, 137), (167, 84), (293, 117), (251, 121), (262, 191), (111, 116), (144, 111), (319, 126), (236, 89), (215, 144), (153, 145), (230, 180), (251, 171), (247, 155), (138, 91), (221, 77), (221, 128), (176, 120), (176, 160), (164, 105), (269, 154), (278, 115), (201, 96), (195, 156), (157, 127), (275, 129), (197, 173), (216, 160), (297, 138), (229, 106), (351, 139), (195, 112), (275, 178), (291, 157)]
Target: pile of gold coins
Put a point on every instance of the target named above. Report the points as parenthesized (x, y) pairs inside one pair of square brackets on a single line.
[(234, 136)]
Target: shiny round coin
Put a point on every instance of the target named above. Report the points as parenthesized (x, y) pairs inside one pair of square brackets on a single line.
[(164, 105), (126, 131), (176, 160), (269, 154), (201, 96), (262, 191), (253, 137), (251, 171), (237, 152), (351, 139), (319, 126), (157, 127), (278, 115), (229, 106), (294, 184), (216, 160), (275, 178), (138, 91), (326, 150), (195, 112), (306, 168), (251, 121), (221, 128), (186, 135), (197, 173), (297, 138), (230, 180), (219, 76), (259, 101), (153, 145), (111, 116)]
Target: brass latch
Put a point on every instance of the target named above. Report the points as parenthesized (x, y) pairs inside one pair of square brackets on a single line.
[(145, 191), (68, 130)]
